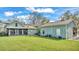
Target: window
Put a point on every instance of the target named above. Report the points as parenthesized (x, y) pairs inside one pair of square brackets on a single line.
[(58, 32), (16, 24), (43, 31)]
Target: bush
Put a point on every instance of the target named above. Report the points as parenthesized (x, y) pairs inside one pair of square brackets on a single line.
[(37, 34), (3, 34), (60, 37), (48, 36)]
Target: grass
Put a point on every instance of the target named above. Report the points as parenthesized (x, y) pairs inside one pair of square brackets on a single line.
[(35, 43)]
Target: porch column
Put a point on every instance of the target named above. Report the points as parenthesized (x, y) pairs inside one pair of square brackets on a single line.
[(22, 32), (9, 32), (15, 32), (18, 32)]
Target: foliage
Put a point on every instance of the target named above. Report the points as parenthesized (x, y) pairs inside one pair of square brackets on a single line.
[(67, 15), (74, 16), (3, 34)]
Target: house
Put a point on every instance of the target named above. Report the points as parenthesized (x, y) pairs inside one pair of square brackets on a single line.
[(65, 29), (16, 27)]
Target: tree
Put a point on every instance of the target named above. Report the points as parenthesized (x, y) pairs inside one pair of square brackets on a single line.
[(45, 20), (66, 15), (38, 18), (74, 16)]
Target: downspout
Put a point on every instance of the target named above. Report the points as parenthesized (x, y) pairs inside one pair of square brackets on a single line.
[(66, 31)]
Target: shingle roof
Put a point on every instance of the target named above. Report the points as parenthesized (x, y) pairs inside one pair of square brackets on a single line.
[(57, 23), (24, 27), (29, 27)]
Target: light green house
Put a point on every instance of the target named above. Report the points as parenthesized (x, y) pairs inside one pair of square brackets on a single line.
[(16, 27), (65, 29)]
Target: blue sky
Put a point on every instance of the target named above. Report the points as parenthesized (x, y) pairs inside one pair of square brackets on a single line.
[(52, 13)]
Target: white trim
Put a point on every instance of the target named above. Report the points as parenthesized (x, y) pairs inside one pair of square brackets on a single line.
[(9, 32), (22, 32)]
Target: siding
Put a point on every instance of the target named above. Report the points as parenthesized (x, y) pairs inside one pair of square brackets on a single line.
[(2, 27), (52, 31), (32, 32), (66, 31), (12, 25), (70, 30)]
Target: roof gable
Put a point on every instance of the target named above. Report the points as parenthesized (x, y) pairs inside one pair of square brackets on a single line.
[(12, 24)]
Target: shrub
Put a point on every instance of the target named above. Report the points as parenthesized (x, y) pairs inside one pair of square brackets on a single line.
[(3, 34)]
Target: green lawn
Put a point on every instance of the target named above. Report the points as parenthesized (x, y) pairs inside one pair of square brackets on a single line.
[(35, 43)]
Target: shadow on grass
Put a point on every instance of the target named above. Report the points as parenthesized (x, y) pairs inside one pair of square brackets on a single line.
[(52, 38), (45, 37)]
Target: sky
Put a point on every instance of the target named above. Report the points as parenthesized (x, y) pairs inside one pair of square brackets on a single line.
[(52, 13)]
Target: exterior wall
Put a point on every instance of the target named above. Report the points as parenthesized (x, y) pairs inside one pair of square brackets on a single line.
[(12, 25), (70, 30), (32, 31), (52, 31), (2, 27), (66, 31)]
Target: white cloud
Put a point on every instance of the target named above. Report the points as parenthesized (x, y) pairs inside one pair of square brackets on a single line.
[(72, 10), (46, 10), (23, 16), (51, 21), (31, 9), (11, 13), (41, 10)]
